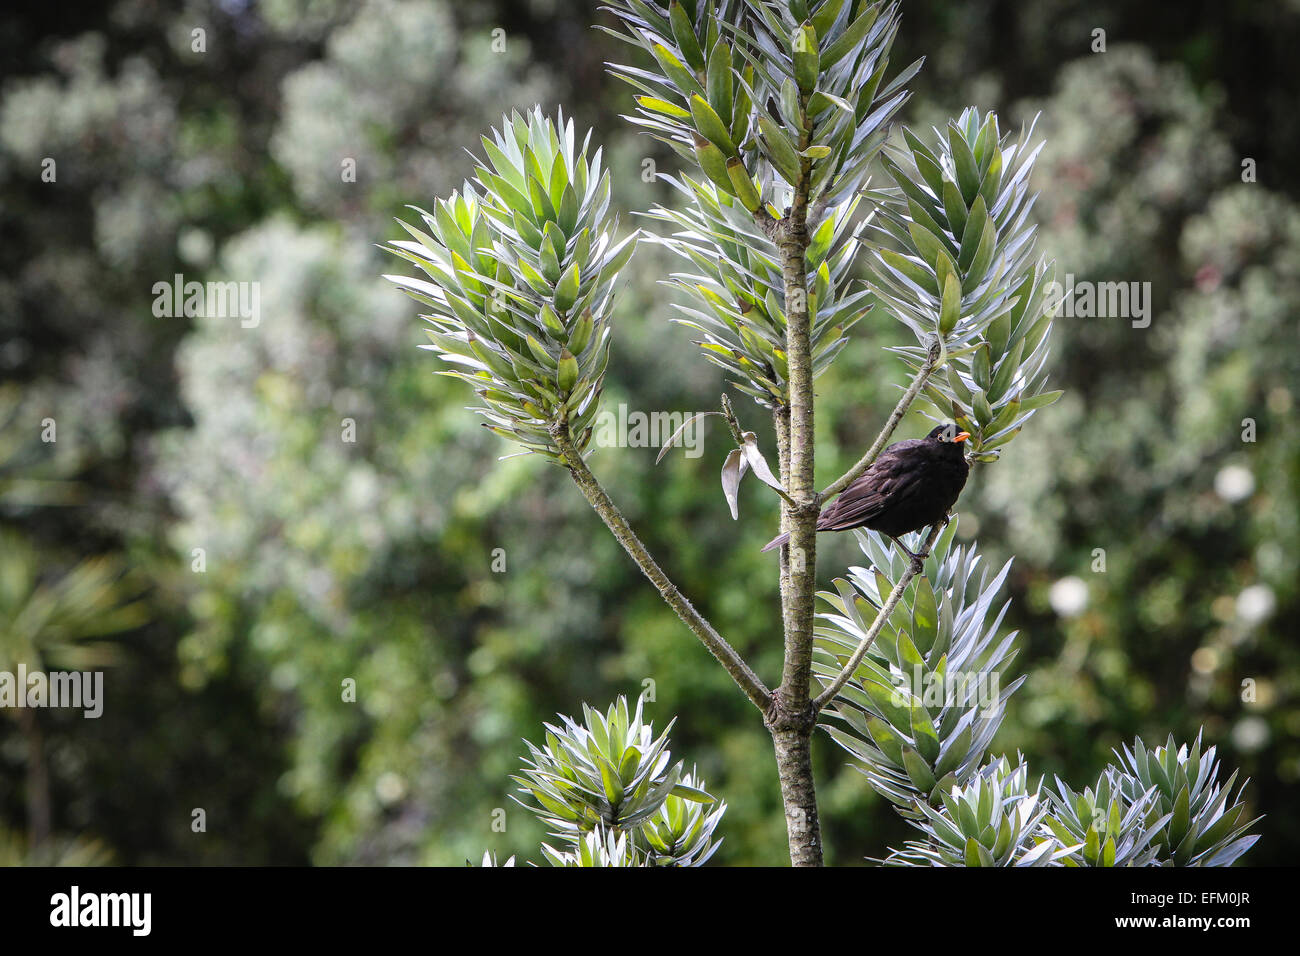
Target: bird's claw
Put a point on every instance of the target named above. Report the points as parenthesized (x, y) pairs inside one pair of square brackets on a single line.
[(912, 555)]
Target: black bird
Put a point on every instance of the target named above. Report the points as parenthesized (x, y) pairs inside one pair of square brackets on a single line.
[(910, 486)]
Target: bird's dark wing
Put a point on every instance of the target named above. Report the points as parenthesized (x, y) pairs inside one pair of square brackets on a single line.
[(890, 480)]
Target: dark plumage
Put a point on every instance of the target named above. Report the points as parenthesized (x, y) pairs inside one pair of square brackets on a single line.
[(910, 486)]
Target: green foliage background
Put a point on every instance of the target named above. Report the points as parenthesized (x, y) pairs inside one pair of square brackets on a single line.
[(372, 560)]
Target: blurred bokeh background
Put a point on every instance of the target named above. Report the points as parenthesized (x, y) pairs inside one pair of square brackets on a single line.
[(324, 559)]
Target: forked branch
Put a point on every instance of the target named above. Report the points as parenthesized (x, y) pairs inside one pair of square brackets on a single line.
[(604, 506)]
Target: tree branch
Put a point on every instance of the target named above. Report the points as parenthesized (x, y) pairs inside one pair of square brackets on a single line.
[(896, 416), (791, 719), (913, 569), (604, 506), (763, 219)]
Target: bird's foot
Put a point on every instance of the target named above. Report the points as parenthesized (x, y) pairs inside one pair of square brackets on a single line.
[(906, 550), (916, 560)]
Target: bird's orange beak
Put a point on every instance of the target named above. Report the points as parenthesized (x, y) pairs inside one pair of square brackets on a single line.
[(962, 436)]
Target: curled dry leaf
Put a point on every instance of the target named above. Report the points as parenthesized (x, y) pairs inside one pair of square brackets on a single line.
[(733, 469), (757, 462), (675, 435)]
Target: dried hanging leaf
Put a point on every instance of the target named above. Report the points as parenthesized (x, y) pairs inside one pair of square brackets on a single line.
[(757, 462), (733, 469)]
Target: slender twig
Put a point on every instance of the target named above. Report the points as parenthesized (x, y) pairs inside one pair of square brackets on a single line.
[(896, 416), (604, 506), (781, 491), (913, 569), (729, 413)]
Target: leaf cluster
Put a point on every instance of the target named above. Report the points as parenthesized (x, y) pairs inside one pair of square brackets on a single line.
[(522, 265), (608, 789)]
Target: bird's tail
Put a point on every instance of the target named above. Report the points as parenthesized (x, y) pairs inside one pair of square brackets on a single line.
[(776, 542)]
